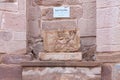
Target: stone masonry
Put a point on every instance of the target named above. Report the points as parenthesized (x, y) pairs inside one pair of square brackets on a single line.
[(108, 30), (82, 15), (22, 26), (12, 25)]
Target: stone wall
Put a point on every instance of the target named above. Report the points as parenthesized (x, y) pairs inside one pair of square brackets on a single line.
[(108, 26), (83, 16), (60, 73), (12, 25)]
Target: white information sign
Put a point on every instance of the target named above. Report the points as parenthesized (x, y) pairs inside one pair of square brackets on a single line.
[(61, 12)]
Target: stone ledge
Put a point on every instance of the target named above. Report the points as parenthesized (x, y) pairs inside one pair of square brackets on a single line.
[(108, 57), (56, 56), (61, 64)]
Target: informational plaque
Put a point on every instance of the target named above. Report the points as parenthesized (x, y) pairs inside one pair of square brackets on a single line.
[(61, 12)]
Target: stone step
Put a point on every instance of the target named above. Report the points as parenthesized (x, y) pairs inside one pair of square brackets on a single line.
[(61, 56)]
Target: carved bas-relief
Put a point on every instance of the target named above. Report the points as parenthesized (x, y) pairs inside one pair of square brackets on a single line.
[(67, 40)]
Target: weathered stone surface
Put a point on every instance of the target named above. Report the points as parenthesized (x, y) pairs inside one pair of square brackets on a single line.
[(8, 7), (60, 73), (55, 25), (107, 17), (10, 72), (73, 2), (89, 10), (61, 40), (75, 13), (88, 52), (106, 73), (71, 63), (61, 56), (87, 27), (19, 36), (108, 57), (111, 71), (13, 46), (14, 21), (87, 1), (108, 39), (47, 2), (107, 3), (6, 35), (15, 59), (20, 52), (34, 29)]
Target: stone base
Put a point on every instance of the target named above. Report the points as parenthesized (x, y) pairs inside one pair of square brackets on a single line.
[(61, 56)]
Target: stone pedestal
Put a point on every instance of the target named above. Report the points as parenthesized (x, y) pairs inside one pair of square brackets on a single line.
[(61, 44)]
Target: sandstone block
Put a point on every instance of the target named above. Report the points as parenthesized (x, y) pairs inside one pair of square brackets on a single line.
[(15, 22), (107, 3), (61, 40), (55, 25), (34, 29), (73, 2), (108, 48), (60, 73), (10, 72), (10, 46), (15, 59), (8, 7), (87, 1), (108, 57), (20, 52), (87, 27), (51, 2), (89, 10), (107, 17), (75, 13), (19, 36), (61, 56), (111, 71), (106, 72), (34, 13)]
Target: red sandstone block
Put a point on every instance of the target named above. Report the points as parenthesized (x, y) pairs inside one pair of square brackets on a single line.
[(15, 22), (10, 72), (56, 25)]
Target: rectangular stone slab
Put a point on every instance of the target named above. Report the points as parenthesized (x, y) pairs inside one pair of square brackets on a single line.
[(61, 56), (65, 40)]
